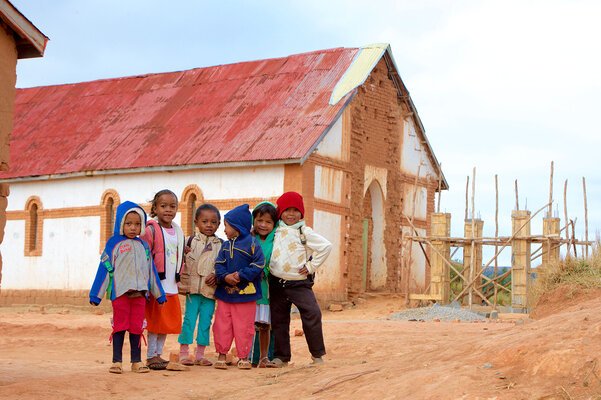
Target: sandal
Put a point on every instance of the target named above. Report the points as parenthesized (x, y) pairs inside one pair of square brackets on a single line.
[(175, 366), (220, 364), (139, 368), (116, 368), (186, 361), (156, 363), (263, 362), (203, 362), (244, 364)]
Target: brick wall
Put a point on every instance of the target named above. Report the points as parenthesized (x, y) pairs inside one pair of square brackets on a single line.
[(8, 78), (377, 117)]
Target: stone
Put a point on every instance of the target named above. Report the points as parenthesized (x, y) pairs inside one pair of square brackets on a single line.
[(298, 332), (335, 307)]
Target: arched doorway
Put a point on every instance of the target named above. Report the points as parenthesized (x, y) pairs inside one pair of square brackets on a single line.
[(374, 272)]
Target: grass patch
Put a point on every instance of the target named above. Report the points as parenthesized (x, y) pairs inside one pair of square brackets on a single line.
[(579, 272)]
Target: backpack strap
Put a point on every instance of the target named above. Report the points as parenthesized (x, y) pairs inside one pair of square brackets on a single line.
[(189, 242)]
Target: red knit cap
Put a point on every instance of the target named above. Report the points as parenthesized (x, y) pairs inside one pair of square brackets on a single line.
[(288, 200)]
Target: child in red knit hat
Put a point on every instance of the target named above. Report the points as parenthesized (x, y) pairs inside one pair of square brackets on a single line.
[(298, 252)]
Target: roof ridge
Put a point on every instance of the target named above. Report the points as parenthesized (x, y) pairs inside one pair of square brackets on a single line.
[(145, 75)]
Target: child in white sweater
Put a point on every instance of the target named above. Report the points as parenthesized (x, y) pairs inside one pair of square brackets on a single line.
[(298, 252)]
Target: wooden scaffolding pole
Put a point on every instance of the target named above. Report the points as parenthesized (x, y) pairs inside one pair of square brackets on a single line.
[(472, 247), (517, 197), (550, 211), (496, 270), (565, 214), (585, 216)]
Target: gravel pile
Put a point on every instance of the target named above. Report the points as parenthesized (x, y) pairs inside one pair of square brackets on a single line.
[(451, 312)]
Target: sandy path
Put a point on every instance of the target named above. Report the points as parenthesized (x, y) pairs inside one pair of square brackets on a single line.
[(66, 356)]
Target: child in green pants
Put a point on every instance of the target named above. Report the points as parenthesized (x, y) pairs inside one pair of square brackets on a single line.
[(198, 284)]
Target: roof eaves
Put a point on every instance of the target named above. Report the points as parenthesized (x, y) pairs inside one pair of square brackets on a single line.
[(164, 168), (33, 41)]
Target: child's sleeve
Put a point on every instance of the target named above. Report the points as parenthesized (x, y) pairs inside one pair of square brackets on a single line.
[(221, 265), (320, 246), (154, 283), (102, 279), (148, 238), (256, 265)]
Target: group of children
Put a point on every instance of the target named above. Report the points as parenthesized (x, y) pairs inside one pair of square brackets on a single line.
[(248, 283)]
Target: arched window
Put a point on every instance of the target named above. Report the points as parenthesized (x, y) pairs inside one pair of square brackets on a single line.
[(109, 202), (33, 227), (191, 199)]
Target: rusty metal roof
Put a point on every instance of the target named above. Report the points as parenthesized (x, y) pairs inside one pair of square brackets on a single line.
[(266, 110)]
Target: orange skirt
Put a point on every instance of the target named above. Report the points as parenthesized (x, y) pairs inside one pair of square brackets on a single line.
[(164, 318)]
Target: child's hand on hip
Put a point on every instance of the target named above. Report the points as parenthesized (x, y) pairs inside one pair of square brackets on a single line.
[(304, 270), (211, 280)]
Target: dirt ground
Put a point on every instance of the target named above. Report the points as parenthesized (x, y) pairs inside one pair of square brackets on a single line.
[(59, 353)]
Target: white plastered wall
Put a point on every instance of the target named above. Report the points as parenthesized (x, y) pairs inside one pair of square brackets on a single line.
[(70, 245), (329, 276), (421, 201), (215, 184), (333, 144), (417, 280), (328, 184), (415, 152), (378, 271)]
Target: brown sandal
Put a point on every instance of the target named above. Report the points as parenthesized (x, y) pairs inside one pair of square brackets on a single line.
[(116, 368), (203, 362), (220, 364), (186, 361), (263, 362), (244, 364), (139, 368), (156, 363)]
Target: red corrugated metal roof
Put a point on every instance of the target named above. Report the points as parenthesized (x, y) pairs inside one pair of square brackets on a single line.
[(274, 109)]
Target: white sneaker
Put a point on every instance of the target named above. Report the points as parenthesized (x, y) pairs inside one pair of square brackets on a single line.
[(317, 360)]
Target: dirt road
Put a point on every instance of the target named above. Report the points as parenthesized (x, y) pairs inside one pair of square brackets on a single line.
[(65, 354)]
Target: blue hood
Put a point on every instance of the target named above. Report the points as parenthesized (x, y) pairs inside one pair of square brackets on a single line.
[(240, 218), (122, 210)]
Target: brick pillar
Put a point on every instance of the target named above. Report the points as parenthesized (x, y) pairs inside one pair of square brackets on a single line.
[(440, 274), (551, 245), (468, 273), (520, 260)]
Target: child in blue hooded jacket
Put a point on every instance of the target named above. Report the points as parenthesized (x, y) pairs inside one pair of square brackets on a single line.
[(126, 273), (238, 270)]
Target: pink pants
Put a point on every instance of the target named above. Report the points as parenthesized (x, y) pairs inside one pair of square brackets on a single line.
[(128, 314), (234, 321)]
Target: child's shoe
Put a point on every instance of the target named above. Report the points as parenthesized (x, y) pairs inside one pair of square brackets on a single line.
[(139, 368), (203, 362), (174, 365), (317, 360), (243, 363), (276, 363), (116, 368)]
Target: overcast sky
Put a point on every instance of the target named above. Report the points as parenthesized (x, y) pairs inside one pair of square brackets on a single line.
[(504, 86)]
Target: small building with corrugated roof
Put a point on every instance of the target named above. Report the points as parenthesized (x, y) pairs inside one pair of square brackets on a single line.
[(19, 39), (336, 125)]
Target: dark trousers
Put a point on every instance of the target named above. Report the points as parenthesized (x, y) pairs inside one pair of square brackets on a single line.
[(134, 344), (282, 294)]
